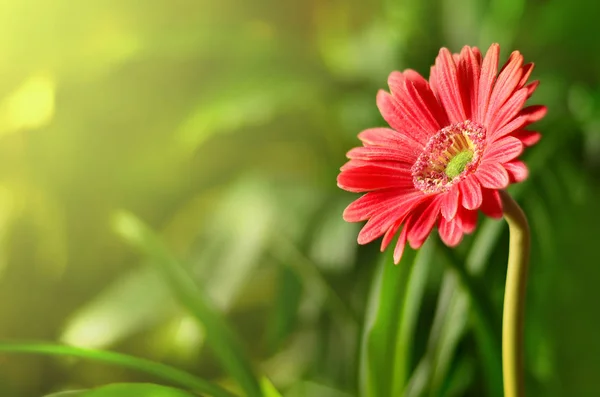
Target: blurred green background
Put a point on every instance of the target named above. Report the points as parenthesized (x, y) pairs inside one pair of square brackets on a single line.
[(222, 126)]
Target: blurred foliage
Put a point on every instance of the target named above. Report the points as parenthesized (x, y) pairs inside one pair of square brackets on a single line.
[(167, 186)]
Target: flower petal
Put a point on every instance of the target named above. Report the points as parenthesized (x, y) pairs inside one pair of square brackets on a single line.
[(401, 118), (380, 222), (528, 115), (412, 104), (450, 233), (449, 203), (468, 79), (447, 86), (503, 150), (489, 68), (470, 190), (372, 202), (492, 204), (387, 137), (531, 87), (399, 153), (507, 112), (374, 177), (492, 176), (423, 88), (399, 249), (529, 138), (507, 81), (425, 217), (389, 234), (466, 219), (526, 72), (517, 171)]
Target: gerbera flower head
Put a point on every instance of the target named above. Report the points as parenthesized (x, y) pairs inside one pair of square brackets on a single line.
[(453, 143)]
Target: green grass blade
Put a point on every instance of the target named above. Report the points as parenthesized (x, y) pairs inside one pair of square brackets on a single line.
[(219, 335), (452, 314), (69, 393), (135, 389), (268, 389), (392, 311), (160, 371), (413, 297), (381, 320)]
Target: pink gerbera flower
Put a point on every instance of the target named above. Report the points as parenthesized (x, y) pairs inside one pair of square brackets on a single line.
[(453, 143)]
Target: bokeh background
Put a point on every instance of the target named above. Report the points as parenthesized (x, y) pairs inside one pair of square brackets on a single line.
[(222, 126)]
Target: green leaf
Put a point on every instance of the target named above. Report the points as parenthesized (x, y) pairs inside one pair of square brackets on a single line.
[(268, 389), (451, 318), (135, 389), (158, 370), (395, 298), (410, 313), (284, 313), (126, 390), (219, 335), (460, 377)]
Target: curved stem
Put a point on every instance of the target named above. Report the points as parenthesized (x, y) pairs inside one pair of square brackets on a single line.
[(514, 298)]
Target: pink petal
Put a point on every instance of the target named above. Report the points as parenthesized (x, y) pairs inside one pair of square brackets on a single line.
[(412, 104), (401, 117), (517, 171), (507, 112), (508, 79), (379, 223), (425, 114), (389, 234), (503, 150), (526, 72), (534, 113), (447, 86), (525, 117), (399, 153), (477, 54), (470, 190), (426, 93), (492, 176), (399, 249), (468, 77), (529, 138), (433, 84), (386, 137), (450, 233), (466, 220), (489, 69), (427, 213), (374, 177), (492, 204), (449, 203), (531, 87), (373, 202)]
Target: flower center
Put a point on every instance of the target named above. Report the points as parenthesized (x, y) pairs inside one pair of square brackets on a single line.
[(458, 163), (449, 156)]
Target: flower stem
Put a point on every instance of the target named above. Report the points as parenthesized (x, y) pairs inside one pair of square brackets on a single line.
[(514, 298)]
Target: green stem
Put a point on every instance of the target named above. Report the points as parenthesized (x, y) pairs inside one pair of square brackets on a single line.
[(514, 298)]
